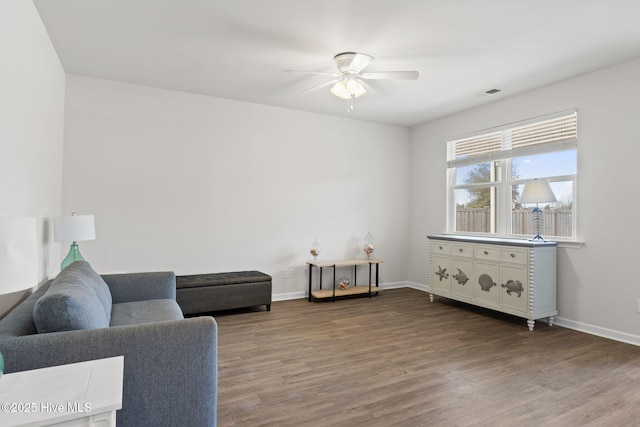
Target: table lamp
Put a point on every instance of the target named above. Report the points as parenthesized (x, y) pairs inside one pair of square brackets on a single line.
[(75, 228), (537, 191), (18, 257)]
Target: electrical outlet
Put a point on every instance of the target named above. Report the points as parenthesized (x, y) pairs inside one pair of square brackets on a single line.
[(288, 272), (285, 273), (292, 272)]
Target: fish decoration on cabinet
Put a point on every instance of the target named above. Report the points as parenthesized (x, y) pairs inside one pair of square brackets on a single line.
[(461, 277)]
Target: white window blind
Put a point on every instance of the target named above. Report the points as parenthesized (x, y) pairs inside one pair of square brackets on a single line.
[(545, 135)]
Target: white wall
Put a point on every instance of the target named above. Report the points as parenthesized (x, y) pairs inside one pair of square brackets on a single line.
[(31, 128), (197, 184), (597, 284)]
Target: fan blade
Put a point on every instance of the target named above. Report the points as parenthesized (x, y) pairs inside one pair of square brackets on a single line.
[(319, 86), (391, 75), (359, 62), (312, 72)]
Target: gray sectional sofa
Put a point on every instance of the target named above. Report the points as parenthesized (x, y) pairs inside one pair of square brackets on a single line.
[(170, 363)]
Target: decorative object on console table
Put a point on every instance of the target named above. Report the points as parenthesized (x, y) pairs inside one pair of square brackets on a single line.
[(75, 228), (537, 191), (18, 257), (368, 245), (315, 249)]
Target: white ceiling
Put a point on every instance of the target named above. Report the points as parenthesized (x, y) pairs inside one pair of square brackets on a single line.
[(238, 49)]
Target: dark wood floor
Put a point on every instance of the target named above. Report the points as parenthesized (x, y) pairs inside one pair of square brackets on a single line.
[(399, 360)]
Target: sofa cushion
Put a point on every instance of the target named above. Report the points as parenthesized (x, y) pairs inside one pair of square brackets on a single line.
[(82, 271), (136, 312), (72, 302)]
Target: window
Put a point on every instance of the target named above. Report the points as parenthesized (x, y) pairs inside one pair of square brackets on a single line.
[(487, 172)]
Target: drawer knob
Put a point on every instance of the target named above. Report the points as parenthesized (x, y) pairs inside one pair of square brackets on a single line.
[(440, 247), (460, 249), (513, 255), (486, 252)]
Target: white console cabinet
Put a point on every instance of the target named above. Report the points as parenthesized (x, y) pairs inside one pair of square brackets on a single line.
[(83, 394), (517, 277)]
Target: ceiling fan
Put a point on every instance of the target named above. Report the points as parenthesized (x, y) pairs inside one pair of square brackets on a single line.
[(348, 81)]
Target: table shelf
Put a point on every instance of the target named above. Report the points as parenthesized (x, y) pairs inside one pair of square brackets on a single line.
[(333, 293), (355, 290)]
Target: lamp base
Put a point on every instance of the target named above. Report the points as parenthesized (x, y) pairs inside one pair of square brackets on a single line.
[(537, 223), (72, 256)]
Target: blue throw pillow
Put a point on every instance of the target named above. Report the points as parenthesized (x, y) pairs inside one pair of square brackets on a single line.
[(71, 303), (81, 271)]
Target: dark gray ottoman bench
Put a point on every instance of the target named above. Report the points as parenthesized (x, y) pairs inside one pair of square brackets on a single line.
[(204, 293)]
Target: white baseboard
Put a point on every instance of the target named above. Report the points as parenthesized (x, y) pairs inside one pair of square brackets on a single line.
[(394, 285), (559, 321), (418, 286), (597, 330), (288, 296)]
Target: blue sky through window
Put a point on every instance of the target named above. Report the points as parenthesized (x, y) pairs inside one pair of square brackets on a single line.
[(544, 165)]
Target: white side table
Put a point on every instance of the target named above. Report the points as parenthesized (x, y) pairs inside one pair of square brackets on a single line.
[(78, 394)]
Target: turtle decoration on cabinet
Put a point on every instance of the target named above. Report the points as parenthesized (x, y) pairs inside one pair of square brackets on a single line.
[(514, 286), (461, 277), (486, 282)]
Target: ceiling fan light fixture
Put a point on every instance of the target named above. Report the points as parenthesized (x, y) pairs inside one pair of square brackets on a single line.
[(348, 88), (340, 90), (355, 88), (349, 83)]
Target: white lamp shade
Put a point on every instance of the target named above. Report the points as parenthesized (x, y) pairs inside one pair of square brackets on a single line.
[(75, 228), (18, 254), (537, 191)]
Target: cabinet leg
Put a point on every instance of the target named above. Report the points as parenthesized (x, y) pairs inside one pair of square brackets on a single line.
[(531, 324), (431, 297), (551, 319)]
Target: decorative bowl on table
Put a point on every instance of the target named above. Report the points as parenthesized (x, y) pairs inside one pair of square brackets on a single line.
[(344, 283)]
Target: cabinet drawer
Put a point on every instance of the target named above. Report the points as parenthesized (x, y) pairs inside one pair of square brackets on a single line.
[(487, 252), (513, 255), (440, 248), (461, 250)]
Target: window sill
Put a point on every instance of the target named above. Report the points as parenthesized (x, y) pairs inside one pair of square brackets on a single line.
[(570, 244)]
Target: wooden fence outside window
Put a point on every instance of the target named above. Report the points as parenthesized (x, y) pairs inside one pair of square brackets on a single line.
[(555, 222)]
